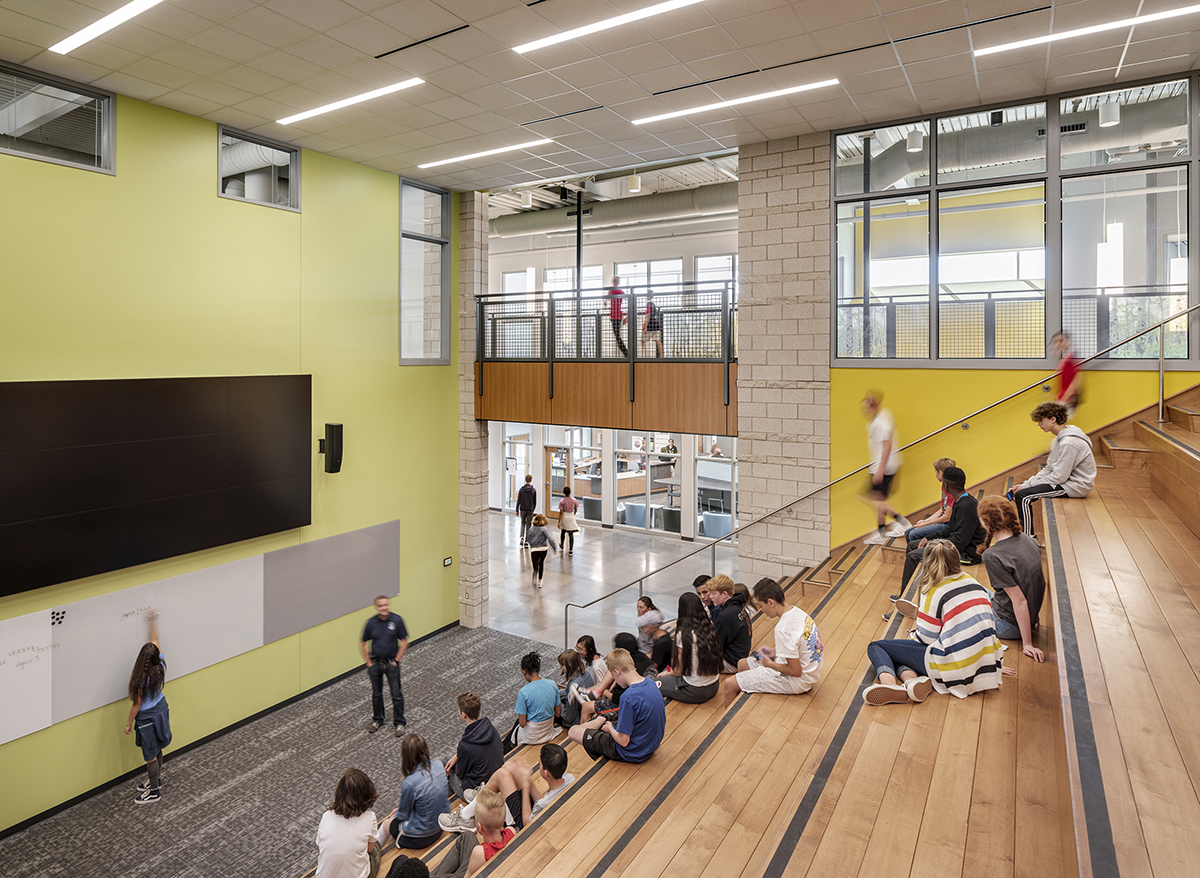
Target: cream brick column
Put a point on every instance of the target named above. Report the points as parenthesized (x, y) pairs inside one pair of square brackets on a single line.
[(783, 351), (472, 434)]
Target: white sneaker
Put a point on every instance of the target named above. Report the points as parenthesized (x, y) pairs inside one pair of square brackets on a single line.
[(875, 539), (918, 688), (896, 529), (882, 693), (904, 523), (455, 822), (469, 795)]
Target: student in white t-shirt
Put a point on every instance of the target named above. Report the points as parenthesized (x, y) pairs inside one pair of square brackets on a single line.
[(794, 665), (883, 444), (514, 781), (346, 836)]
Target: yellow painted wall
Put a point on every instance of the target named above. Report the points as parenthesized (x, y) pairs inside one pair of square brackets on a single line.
[(149, 274), (925, 399)]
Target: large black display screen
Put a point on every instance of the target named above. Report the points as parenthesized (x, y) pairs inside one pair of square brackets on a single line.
[(101, 475)]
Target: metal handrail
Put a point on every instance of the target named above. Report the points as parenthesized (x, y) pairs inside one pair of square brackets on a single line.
[(1161, 325)]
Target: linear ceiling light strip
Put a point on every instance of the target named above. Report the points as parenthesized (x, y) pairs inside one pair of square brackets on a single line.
[(104, 25), (1092, 29), (736, 101), (596, 27), (479, 155), (357, 99)]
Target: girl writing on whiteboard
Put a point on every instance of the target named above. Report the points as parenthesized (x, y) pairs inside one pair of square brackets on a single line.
[(149, 713)]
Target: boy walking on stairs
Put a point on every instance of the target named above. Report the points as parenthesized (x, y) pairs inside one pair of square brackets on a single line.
[(884, 447)]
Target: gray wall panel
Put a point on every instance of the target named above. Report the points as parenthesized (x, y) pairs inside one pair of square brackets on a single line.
[(315, 582)]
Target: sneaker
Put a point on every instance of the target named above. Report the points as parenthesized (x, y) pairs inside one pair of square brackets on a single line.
[(574, 694), (896, 529), (902, 521), (876, 539), (148, 796), (918, 688), (539, 584), (906, 608), (145, 785), (882, 693), (400, 730), (455, 822), (469, 795), (373, 728)]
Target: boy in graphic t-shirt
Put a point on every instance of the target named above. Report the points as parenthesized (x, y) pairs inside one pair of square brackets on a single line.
[(794, 665)]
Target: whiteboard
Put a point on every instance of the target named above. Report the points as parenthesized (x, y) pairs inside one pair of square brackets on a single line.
[(24, 675), (207, 616)]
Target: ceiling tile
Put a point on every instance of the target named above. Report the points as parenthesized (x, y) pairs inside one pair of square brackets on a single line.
[(470, 43), (194, 59), (788, 51), (780, 23), (495, 97), (734, 11), (418, 18), (669, 24), (1084, 62), (137, 39), (642, 59), (979, 10), (319, 15), (63, 13), (1068, 16), (284, 66), (453, 108), (504, 66), (613, 93), (1010, 30), (925, 19), (662, 80), (850, 36), (250, 80), (105, 55), (186, 103), (1021, 78), (729, 64), (265, 108), (123, 83), (159, 73), (324, 52), (67, 66), (421, 61), (269, 27), (900, 97), (16, 51), (962, 87), (368, 35), (583, 74), (218, 10), (515, 26), (538, 86), (467, 10), (229, 44), (704, 43), (820, 14), (942, 68), (173, 21), (217, 92), (934, 46)]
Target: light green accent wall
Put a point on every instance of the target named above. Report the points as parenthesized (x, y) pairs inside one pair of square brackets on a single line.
[(925, 399), (149, 273)]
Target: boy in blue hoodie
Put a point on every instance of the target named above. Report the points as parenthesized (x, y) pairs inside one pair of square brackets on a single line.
[(480, 752)]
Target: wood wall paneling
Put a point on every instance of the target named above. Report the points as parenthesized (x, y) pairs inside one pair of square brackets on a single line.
[(515, 392), (731, 414), (679, 397), (591, 395)]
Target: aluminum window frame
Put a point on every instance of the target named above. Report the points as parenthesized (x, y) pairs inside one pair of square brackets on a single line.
[(108, 137), (294, 186), (1052, 179), (445, 341)]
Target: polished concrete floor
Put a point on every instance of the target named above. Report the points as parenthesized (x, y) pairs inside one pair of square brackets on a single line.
[(604, 560)]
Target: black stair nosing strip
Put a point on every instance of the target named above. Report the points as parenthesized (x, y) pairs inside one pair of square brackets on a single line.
[(1174, 440), (549, 809), (1008, 484), (445, 33), (851, 51), (819, 568), (841, 581), (1091, 780), (837, 568), (816, 786), (647, 812)]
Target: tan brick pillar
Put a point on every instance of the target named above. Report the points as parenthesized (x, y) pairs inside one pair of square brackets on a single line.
[(783, 351), (472, 434)]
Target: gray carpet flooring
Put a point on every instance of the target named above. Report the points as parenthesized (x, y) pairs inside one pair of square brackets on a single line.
[(248, 803)]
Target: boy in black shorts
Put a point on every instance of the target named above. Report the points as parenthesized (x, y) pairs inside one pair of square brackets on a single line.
[(514, 781), (884, 447)]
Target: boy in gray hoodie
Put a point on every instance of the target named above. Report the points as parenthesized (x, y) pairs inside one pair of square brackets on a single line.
[(1069, 472)]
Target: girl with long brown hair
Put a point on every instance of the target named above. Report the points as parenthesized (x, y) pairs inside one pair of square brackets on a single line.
[(693, 678), (424, 796), (149, 713)]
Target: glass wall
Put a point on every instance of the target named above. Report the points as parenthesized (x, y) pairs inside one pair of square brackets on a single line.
[(518, 451), (1030, 224)]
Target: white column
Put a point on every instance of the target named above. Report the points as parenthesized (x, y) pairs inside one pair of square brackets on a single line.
[(608, 477), (687, 489)]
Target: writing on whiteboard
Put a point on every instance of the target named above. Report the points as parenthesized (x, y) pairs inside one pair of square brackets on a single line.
[(136, 612)]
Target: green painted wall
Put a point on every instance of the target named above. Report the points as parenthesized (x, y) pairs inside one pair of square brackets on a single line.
[(925, 399), (149, 274)]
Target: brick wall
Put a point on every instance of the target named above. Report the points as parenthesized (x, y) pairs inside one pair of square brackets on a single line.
[(472, 434), (783, 356)]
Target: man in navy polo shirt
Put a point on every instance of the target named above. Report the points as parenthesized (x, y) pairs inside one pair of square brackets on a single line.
[(389, 642)]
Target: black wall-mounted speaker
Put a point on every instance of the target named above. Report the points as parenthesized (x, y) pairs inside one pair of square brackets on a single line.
[(333, 448)]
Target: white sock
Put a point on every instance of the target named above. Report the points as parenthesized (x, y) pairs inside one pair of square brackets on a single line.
[(384, 835), (468, 811)]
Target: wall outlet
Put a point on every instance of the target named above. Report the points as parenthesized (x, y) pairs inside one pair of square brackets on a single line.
[(446, 562)]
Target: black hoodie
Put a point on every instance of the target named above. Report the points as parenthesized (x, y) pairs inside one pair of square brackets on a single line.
[(732, 631), (527, 498), (480, 753)]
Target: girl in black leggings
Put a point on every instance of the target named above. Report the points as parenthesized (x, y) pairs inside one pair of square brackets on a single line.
[(539, 541)]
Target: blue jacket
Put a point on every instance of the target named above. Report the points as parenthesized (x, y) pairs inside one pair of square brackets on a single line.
[(423, 796)]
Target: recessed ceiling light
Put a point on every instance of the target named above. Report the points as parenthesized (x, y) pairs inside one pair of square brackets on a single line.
[(104, 25), (1092, 29), (616, 21), (357, 99), (479, 155), (761, 97)]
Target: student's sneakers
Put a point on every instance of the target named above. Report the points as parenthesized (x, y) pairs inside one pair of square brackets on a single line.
[(145, 785), (919, 688), (400, 730), (906, 608), (469, 795), (883, 693), (904, 523), (578, 694), (455, 822), (373, 728), (147, 796), (876, 539)]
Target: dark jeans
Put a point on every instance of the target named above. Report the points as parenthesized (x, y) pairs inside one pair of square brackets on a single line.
[(568, 540), (376, 672), (912, 559), (617, 326), (538, 559), (897, 656)]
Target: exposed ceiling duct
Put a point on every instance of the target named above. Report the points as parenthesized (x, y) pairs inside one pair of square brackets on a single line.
[(703, 201), (242, 156), (1156, 124), (38, 107)]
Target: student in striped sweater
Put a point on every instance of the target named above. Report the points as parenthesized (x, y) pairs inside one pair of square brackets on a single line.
[(953, 649)]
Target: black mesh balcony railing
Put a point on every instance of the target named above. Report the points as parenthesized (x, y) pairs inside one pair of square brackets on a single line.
[(684, 322)]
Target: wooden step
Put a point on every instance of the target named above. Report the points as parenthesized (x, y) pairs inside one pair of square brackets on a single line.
[(1185, 417), (1126, 453)]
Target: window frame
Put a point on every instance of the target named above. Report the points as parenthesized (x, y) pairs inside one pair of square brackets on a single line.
[(108, 137), (293, 167), (446, 342), (1052, 179)]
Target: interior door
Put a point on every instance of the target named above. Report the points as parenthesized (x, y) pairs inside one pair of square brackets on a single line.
[(558, 476)]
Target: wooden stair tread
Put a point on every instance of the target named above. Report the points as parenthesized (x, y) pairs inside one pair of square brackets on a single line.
[(1123, 443), (1183, 409)]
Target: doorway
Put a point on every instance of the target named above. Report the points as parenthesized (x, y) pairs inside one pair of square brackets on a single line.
[(558, 476)]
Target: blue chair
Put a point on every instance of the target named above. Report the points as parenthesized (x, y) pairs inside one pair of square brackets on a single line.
[(717, 525), (635, 514)]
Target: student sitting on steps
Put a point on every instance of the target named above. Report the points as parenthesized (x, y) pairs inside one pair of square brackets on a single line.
[(480, 751), (514, 781), (469, 854), (605, 697), (731, 622), (537, 706), (642, 721), (1070, 470), (794, 665), (963, 530)]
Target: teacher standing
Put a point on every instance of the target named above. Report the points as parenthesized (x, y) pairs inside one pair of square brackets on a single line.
[(389, 641)]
